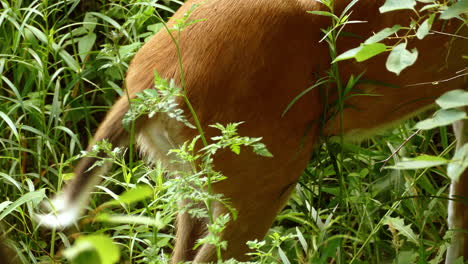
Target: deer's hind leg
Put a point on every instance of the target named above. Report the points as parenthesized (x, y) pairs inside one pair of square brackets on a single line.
[(255, 216), (458, 204), (188, 230)]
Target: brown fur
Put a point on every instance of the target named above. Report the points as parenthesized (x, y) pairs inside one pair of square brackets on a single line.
[(245, 62)]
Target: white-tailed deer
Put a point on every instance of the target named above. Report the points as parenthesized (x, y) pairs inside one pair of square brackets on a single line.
[(246, 61)]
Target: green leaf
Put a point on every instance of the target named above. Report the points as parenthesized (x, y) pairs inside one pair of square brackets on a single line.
[(69, 60), (442, 117), (400, 58), (421, 162), (261, 150), (139, 193), (348, 54), (425, 27), (155, 28), (382, 34), (107, 252), (157, 221), (454, 10), (4, 205), (10, 123), (459, 163), (392, 5), (398, 224), (68, 176), (90, 22), (302, 240), (453, 99), (85, 44), (370, 50), (35, 197), (284, 258), (235, 149), (431, 6), (323, 13), (407, 256), (126, 50)]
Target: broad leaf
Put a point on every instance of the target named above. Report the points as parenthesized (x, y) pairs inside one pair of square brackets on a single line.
[(349, 54), (456, 9), (453, 99), (392, 5), (103, 247), (89, 22), (442, 117), (85, 44), (406, 256), (400, 58), (362, 53), (424, 29), (384, 33), (369, 51)]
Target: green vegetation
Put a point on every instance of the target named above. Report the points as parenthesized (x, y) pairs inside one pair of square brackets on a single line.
[(62, 64)]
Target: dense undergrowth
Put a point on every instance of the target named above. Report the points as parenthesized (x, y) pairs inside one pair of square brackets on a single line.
[(62, 64)]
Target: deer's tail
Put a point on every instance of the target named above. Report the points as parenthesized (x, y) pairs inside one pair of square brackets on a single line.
[(67, 206)]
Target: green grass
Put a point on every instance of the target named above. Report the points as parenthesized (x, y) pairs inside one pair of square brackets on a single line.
[(62, 64)]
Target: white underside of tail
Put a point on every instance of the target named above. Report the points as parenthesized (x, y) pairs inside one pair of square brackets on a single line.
[(62, 213)]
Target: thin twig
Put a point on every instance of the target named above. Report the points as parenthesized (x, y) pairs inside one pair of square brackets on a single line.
[(398, 149), (441, 81), (448, 34)]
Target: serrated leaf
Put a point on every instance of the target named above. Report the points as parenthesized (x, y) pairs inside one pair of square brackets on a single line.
[(106, 250), (400, 58), (261, 150), (404, 230), (235, 149), (382, 34), (453, 99), (392, 5), (456, 9), (370, 50), (420, 162), (442, 117), (459, 163)]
